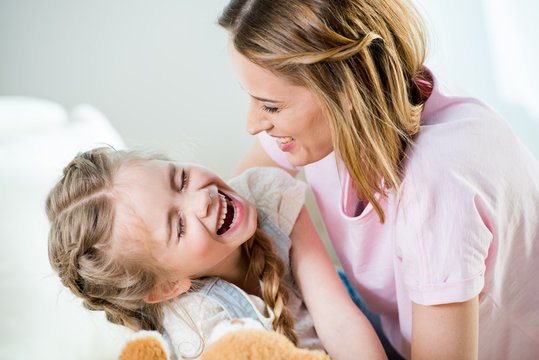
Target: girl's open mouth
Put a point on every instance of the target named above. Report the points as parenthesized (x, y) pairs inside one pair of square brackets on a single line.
[(228, 213)]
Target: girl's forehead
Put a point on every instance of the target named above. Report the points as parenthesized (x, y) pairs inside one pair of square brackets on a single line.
[(132, 238)]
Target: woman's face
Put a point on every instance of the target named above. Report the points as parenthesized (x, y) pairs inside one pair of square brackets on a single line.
[(291, 114), (183, 216)]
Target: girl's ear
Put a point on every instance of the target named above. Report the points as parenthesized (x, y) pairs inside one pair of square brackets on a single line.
[(167, 290)]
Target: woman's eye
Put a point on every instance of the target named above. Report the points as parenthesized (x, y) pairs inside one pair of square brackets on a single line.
[(270, 109), (181, 228)]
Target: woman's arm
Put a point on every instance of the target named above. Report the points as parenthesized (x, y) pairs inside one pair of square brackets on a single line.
[(343, 329), (257, 156), (448, 331)]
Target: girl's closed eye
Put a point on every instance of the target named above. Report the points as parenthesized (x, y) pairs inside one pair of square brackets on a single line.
[(181, 227), (185, 179)]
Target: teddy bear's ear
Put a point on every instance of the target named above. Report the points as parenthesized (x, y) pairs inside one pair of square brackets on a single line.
[(145, 345), (167, 290)]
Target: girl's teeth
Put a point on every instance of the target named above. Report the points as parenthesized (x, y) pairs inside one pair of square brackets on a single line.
[(285, 139), (223, 211)]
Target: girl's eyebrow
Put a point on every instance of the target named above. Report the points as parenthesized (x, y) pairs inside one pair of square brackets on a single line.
[(172, 175)]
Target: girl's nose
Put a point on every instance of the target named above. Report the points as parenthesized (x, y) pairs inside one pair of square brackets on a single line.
[(200, 202), (257, 122)]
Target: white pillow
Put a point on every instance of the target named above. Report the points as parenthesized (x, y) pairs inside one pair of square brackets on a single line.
[(40, 318), (22, 115)]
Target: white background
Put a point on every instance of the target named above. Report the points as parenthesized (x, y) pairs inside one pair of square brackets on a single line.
[(159, 70)]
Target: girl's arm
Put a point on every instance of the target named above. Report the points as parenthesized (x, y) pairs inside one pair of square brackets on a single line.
[(448, 331), (343, 329)]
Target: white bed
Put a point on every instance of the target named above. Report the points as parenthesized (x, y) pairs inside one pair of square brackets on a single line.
[(40, 319)]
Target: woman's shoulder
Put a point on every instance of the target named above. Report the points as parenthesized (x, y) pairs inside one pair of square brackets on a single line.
[(460, 134)]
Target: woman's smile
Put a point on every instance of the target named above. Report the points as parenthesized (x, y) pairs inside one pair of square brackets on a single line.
[(285, 143)]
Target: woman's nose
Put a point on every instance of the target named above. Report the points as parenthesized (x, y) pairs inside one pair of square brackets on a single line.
[(257, 122)]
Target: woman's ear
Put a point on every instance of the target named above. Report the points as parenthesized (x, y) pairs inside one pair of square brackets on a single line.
[(345, 102), (167, 290)]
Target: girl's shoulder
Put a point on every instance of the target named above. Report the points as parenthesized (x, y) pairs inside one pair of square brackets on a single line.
[(274, 191), (191, 319), (188, 321)]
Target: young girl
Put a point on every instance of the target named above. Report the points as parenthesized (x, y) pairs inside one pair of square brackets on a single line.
[(130, 233)]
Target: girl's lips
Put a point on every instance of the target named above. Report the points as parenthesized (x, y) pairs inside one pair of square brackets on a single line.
[(230, 213), (238, 216)]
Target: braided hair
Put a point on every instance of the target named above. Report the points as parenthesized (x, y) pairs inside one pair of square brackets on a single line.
[(269, 268)]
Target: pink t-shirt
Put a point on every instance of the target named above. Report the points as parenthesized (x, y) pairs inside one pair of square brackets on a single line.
[(464, 222)]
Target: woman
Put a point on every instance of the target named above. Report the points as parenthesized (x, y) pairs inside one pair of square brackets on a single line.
[(430, 201)]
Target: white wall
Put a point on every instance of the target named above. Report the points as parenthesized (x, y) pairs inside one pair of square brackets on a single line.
[(490, 48), (160, 72)]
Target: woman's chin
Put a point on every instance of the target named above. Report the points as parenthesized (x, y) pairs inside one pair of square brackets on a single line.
[(297, 160)]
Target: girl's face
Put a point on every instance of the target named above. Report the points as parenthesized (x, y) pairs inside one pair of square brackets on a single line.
[(291, 114), (187, 218)]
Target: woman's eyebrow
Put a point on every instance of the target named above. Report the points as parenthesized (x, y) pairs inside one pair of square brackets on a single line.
[(260, 98), (266, 100)]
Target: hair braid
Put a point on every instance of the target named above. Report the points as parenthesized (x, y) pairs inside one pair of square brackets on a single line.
[(340, 52), (266, 265), (80, 209)]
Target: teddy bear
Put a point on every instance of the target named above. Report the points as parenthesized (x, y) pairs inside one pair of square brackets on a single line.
[(237, 339)]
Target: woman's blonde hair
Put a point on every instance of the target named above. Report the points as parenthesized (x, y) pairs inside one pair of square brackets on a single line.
[(81, 210), (363, 60)]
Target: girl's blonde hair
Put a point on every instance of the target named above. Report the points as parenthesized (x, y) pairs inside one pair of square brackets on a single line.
[(362, 58), (81, 210)]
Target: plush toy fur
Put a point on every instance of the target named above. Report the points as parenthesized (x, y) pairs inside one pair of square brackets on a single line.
[(145, 345), (237, 344), (248, 344)]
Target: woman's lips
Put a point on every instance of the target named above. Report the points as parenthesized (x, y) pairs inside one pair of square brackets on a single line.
[(285, 143)]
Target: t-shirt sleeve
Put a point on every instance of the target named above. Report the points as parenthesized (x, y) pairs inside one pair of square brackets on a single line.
[(443, 236), (275, 192), (273, 151), (189, 321)]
